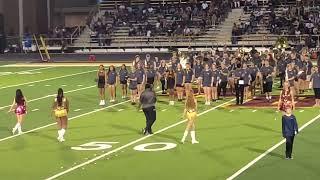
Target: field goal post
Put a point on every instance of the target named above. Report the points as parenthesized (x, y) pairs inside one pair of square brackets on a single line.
[(43, 50)]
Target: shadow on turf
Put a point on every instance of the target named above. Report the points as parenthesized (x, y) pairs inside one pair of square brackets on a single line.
[(261, 151)]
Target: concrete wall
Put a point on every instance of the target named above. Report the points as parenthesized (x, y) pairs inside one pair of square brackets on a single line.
[(75, 20), (34, 13), (1, 6), (11, 16)]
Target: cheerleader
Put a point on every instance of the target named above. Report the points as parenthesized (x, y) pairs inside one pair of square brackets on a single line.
[(190, 111), (102, 78), (133, 86), (150, 74), (141, 78), (188, 78), (286, 98), (19, 106), (61, 109), (197, 68), (162, 75), (171, 85), (206, 83), (123, 76), (179, 82), (112, 81), (216, 77)]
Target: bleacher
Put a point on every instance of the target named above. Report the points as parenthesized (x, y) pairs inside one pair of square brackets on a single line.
[(120, 33), (262, 32)]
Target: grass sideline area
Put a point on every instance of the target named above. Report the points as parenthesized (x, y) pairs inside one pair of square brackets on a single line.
[(105, 142)]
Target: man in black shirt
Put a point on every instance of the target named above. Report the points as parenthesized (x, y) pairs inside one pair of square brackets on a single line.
[(148, 100), (239, 84), (282, 70)]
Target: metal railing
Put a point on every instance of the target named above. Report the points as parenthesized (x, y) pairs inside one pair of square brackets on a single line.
[(172, 41)]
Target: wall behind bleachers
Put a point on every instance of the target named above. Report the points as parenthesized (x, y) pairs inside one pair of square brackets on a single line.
[(73, 3)]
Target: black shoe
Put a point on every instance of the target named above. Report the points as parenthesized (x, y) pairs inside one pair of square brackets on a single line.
[(143, 131)]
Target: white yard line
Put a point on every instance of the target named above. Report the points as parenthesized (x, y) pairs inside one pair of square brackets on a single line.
[(65, 64), (30, 70), (74, 117), (35, 110), (76, 110), (129, 144), (268, 151), (52, 95), (48, 79)]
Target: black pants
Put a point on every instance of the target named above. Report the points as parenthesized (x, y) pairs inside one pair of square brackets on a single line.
[(282, 78), (239, 93), (150, 80), (222, 88), (289, 146), (163, 85), (150, 114)]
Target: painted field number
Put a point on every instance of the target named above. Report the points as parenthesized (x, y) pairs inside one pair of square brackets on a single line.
[(94, 146), (148, 147)]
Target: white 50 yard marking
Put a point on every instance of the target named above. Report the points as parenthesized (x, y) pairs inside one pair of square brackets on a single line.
[(129, 144)]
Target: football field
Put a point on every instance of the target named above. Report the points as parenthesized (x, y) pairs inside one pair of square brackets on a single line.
[(106, 142)]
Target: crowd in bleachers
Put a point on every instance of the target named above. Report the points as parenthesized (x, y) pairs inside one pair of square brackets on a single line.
[(61, 36), (299, 23), (165, 19), (296, 21)]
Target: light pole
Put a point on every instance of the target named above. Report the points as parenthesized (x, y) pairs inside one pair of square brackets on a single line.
[(49, 13), (21, 18)]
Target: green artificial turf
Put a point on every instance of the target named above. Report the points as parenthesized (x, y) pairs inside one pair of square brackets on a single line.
[(229, 139)]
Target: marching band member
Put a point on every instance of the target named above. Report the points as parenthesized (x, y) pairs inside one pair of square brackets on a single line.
[(206, 83), (216, 77), (171, 85), (179, 80), (112, 82), (188, 79), (133, 86), (123, 77), (162, 76)]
